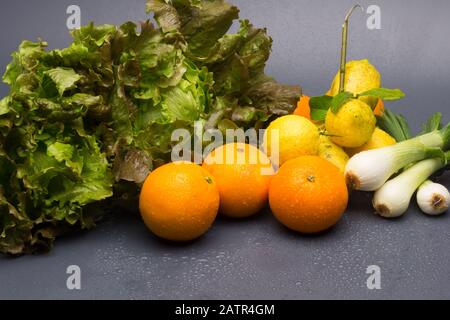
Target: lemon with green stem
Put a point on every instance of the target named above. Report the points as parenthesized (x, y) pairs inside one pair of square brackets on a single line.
[(351, 122), (360, 76)]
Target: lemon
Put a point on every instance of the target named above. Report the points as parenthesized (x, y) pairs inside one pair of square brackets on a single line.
[(333, 153), (352, 126), (297, 135), (378, 140), (360, 76)]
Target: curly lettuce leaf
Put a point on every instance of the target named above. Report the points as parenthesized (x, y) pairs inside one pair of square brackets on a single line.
[(48, 189), (62, 78), (52, 168)]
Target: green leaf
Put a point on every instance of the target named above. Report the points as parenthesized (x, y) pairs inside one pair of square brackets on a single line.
[(63, 78), (94, 36), (384, 94), (165, 14), (4, 105), (95, 180), (339, 100), (319, 107), (86, 102), (432, 124), (318, 114), (395, 125), (436, 153), (446, 136), (226, 124), (321, 102), (181, 105), (60, 151), (26, 59)]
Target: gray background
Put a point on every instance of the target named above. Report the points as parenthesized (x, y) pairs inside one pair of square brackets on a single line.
[(257, 258)]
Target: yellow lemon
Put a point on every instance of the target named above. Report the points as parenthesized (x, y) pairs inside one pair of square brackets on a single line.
[(332, 152), (360, 76), (352, 126), (289, 137), (380, 139)]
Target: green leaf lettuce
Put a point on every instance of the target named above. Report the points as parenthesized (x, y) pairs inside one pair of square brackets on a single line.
[(98, 116)]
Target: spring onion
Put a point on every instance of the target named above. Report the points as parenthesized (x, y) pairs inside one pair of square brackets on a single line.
[(433, 198), (392, 199), (369, 170)]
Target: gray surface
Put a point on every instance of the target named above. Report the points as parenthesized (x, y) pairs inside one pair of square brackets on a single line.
[(257, 258)]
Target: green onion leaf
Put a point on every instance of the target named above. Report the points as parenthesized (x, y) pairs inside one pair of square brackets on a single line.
[(446, 136), (395, 125), (433, 123)]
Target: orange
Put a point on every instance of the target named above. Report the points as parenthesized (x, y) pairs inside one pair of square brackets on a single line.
[(303, 108), (308, 194), (179, 201), (379, 109), (242, 173)]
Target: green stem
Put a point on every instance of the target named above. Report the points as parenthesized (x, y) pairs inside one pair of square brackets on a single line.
[(420, 172), (433, 139), (446, 136), (344, 48), (447, 156)]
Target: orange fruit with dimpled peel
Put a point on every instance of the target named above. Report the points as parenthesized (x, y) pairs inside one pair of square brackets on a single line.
[(243, 180), (308, 194), (179, 201)]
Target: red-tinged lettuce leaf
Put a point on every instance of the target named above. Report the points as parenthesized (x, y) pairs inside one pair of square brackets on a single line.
[(202, 23)]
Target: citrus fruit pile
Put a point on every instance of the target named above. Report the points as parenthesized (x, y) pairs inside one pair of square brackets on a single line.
[(180, 201), (299, 167), (353, 127), (298, 171)]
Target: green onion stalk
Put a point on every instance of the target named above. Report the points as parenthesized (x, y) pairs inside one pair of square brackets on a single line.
[(393, 198), (369, 170)]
